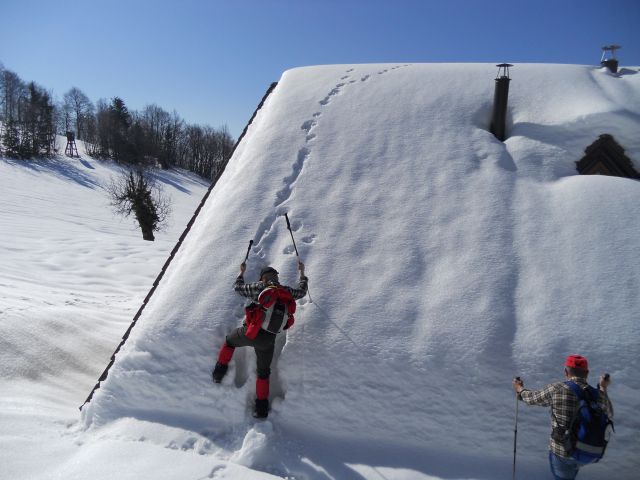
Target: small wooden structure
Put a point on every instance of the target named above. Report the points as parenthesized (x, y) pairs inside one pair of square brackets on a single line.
[(71, 150), (605, 156)]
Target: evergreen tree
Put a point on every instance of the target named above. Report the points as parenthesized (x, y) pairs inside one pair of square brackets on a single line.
[(36, 112), (119, 123), (11, 140)]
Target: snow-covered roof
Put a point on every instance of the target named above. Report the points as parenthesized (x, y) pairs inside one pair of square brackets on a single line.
[(442, 262)]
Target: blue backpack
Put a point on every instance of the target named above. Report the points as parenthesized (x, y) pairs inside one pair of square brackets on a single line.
[(588, 433)]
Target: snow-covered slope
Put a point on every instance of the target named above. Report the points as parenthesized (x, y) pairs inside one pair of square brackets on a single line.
[(72, 275), (442, 262), (38, 200)]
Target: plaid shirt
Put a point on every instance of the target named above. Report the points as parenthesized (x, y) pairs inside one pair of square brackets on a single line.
[(252, 290), (564, 405)]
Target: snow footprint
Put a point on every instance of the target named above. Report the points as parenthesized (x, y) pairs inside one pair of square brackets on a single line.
[(218, 469), (309, 239), (241, 373), (335, 91), (263, 231), (284, 194), (290, 250), (307, 127)]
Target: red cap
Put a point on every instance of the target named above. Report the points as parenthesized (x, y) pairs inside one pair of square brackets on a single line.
[(576, 361)]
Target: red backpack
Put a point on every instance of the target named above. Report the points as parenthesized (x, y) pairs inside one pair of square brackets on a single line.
[(273, 312)]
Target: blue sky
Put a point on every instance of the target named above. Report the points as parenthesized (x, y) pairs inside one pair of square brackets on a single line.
[(212, 60)]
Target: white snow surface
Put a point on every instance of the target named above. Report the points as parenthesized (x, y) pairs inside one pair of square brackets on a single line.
[(442, 262)]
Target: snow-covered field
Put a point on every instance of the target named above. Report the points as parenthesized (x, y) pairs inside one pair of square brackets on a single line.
[(73, 275), (442, 263)]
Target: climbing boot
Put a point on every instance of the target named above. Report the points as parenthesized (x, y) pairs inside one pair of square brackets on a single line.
[(262, 408), (219, 372)]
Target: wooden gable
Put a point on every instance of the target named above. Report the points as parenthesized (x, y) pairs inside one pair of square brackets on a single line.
[(605, 156)]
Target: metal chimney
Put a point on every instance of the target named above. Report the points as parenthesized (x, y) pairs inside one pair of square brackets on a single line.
[(501, 95), (609, 59)]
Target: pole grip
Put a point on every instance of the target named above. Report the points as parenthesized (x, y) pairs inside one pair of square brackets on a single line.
[(248, 250)]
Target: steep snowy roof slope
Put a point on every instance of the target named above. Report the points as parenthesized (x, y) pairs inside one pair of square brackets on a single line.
[(442, 262)]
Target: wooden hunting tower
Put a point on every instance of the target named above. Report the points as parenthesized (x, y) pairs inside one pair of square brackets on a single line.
[(71, 149)]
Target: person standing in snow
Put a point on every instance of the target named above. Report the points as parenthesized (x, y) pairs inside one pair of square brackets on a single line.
[(270, 314), (564, 406)]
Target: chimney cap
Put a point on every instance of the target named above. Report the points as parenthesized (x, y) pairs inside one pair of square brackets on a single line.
[(506, 69), (609, 57), (609, 52)]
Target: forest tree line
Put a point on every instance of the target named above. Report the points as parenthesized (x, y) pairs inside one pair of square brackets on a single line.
[(30, 119)]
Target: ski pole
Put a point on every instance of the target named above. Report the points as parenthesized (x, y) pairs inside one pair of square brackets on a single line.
[(294, 241), (296, 249), (248, 249), (515, 436)]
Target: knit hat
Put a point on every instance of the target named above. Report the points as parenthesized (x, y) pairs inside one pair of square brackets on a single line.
[(267, 270), (576, 361)]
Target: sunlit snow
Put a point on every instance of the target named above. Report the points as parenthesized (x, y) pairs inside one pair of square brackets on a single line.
[(442, 263)]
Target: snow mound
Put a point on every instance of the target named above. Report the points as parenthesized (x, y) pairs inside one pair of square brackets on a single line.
[(442, 263)]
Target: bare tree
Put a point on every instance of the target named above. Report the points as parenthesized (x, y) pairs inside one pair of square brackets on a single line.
[(78, 106), (12, 88), (65, 119), (136, 192)]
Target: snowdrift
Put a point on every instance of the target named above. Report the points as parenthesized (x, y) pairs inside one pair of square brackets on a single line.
[(442, 262)]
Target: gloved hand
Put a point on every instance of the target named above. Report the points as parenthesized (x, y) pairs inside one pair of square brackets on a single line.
[(604, 382), (517, 384), (290, 322)]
